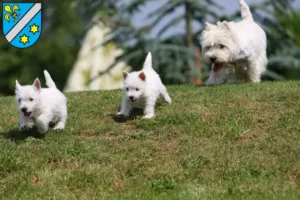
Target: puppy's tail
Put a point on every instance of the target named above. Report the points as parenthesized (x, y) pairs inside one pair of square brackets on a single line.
[(245, 11), (148, 62), (49, 81)]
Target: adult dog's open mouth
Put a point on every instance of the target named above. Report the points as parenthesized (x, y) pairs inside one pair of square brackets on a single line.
[(132, 100), (217, 67)]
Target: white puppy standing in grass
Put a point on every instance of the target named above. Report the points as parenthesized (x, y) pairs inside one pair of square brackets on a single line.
[(142, 89), (41, 106), (235, 49)]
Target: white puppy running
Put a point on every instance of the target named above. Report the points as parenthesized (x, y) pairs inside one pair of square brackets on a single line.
[(142, 89), (41, 106), (235, 49)]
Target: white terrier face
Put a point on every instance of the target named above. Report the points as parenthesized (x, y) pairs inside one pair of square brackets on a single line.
[(134, 85), (219, 44), (28, 98)]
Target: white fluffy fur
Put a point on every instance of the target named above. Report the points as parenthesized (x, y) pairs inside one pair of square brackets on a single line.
[(238, 47), (43, 105), (144, 88)]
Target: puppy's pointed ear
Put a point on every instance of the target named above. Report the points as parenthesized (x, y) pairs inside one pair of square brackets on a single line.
[(125, 75), (142, 76), (37, 84), (18, 86), (209, 27), (225, 25)]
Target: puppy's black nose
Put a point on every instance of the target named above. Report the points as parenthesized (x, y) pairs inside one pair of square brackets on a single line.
[(24, 110), (213, 59), (131, 97)]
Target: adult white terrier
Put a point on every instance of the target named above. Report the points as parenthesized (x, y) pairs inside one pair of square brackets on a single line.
[(142, 89), (41, 106), (235, 49)]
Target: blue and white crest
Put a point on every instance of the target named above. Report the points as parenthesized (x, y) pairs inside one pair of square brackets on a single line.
[(22, 23)]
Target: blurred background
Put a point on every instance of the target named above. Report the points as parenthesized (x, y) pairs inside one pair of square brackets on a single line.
[(86, 44)]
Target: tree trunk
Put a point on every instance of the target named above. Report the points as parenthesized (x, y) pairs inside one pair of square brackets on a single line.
[(189, 32), (189, 42)]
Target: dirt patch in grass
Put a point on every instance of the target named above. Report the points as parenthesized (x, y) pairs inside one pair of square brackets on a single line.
[(86, 133), (294, 174), (128, 128), (253, 136)]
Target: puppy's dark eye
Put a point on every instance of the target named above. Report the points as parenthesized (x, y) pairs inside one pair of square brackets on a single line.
[(208, 47), (127, 89), (222, 46), (20, 100), (30, 99), (137, 89)]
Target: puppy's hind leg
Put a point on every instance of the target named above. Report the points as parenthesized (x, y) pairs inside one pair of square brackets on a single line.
[(164, 94), (42, 123), (62, 120), (60, 125)]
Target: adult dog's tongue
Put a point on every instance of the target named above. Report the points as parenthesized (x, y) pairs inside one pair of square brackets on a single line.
[(217, 67)]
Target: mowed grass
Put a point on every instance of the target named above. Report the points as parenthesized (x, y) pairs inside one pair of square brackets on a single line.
[(237, 141)]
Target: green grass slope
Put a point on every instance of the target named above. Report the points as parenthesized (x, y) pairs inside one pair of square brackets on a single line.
[(238, 141)]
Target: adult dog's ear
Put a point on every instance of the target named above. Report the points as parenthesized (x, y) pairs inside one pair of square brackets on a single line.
[(225, 25), (209, 27)]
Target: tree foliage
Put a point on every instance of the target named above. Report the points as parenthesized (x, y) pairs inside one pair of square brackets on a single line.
[(281, 23), (173, 56), (176, 56)]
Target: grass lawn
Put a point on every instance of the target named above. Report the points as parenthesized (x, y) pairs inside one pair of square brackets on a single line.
[(237, 141)]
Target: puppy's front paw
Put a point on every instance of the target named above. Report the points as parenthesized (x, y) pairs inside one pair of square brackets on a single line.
[(148, 117), (59, 126), (58, 129), (25, 127), (42, 129), (122, 114)]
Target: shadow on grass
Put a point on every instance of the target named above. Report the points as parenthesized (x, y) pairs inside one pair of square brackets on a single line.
[(15, 135), (136, 112)]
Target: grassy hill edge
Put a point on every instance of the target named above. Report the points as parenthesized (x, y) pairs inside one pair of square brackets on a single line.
[(231, 141)]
